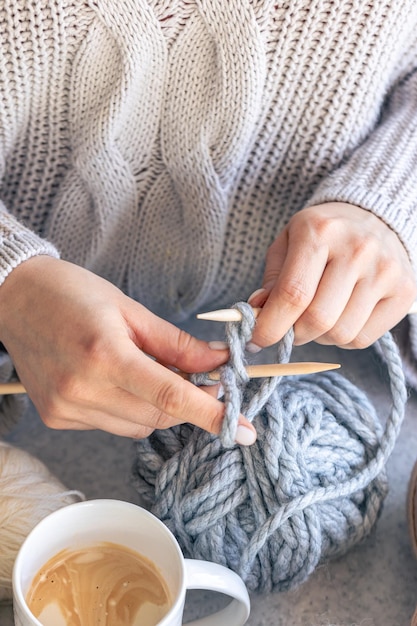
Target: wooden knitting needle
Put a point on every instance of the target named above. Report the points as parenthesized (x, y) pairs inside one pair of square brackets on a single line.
[(9, 388), (254, 371), (233, 315), (282, 369)]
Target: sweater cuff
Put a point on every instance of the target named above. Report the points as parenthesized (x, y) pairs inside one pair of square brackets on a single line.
[(18, 244)]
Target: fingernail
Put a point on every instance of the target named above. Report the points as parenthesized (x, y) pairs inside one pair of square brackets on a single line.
[(220, 392), (245, 436), (218, 345), (255, 294), (252, 347)]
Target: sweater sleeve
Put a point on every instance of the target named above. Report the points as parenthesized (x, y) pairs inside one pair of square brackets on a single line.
[(18, 243), (381, 176)]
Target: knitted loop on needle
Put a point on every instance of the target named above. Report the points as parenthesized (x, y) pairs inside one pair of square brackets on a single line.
[(310, 487), (233, 375)]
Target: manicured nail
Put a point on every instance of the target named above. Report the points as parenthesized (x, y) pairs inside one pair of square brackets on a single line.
[(258, 297), (245, 436), (218, 345), (253, 348)]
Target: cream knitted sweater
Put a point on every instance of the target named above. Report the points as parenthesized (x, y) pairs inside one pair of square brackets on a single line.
[(164, 143)]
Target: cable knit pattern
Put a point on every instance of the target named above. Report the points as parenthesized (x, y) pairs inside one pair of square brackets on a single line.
[(164, 143)]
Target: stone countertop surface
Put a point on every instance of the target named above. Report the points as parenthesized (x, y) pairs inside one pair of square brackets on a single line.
[(375, 584)]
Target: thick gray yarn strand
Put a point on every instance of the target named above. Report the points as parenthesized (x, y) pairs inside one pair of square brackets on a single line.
[(310, 487), (234, 378), (233, 375)]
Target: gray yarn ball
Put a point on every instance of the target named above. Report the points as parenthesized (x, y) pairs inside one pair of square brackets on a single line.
[(311, 486)]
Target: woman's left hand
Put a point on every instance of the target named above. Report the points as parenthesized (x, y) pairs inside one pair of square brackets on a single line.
[(336, 273)]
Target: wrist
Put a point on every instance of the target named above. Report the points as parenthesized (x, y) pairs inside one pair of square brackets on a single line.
[(16, 289)]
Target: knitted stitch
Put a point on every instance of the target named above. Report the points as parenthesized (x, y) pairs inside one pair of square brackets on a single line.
[(310, 487)]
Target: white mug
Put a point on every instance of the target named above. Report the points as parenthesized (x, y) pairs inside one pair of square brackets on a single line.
[(93, 521)]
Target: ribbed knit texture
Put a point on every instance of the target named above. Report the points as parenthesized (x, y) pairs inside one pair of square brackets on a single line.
[(164, 144)]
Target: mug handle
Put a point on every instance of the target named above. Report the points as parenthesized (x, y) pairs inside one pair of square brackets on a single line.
[(214, 577)]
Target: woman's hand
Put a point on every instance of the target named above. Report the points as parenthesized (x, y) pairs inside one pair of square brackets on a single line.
[(338, 274), (81, 348)]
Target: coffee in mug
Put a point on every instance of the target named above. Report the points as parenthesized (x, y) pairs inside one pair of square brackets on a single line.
[(71, 545), (104, 583)]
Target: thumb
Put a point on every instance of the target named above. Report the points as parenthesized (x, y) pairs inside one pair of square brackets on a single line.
[(171, 345)]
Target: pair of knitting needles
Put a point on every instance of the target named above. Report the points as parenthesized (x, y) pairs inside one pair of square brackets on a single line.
[(254, 371)]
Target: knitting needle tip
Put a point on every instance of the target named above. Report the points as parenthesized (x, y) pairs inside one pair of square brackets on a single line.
[(224, 315)]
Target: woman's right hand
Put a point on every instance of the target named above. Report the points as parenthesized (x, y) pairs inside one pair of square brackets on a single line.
[(82, 350)]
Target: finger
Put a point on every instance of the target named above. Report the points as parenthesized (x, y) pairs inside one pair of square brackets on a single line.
[(333, 294), (172, 345), (377, 303), (351, 321), (173, 397), (112, 409), (357, 330), (123, 415), (90, 404), (295, 288), (386, 314)]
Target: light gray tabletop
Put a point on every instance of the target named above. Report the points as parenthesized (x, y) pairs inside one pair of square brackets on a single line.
[(375, 584)]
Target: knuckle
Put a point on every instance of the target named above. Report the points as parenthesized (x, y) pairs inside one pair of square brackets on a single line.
[(295, 293), (314, 226), (341, 336), (319, 320), (388, 272), (170, 398), (361, 341), (319, 226), (344, 337), (184, 340), (367, 247), (265, 339), (142, 432), (183, 346)]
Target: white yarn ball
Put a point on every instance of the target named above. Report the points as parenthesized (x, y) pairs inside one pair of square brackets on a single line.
[(28, 493)]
